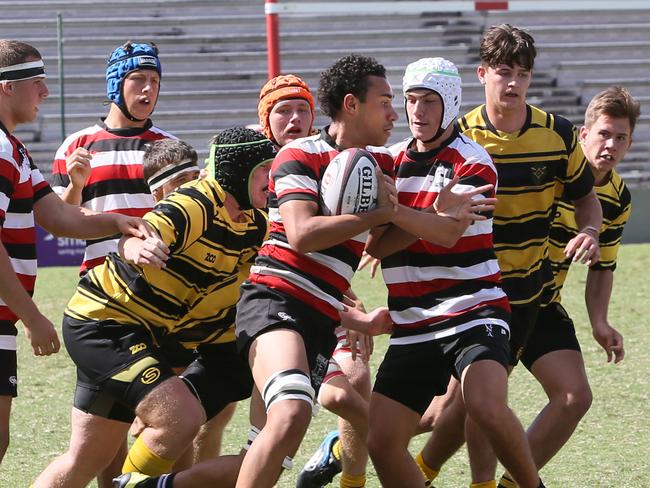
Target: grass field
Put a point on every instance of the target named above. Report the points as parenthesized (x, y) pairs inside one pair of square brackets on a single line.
[(611, 447)]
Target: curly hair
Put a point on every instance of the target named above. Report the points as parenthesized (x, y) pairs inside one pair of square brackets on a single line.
[(348, 75), (234, 154), (505, 44)]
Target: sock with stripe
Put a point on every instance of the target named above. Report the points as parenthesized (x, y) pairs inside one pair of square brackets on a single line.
[(429, 473), (141, 459), (484, 484), (337, 450), (506, 481), (352, 481)]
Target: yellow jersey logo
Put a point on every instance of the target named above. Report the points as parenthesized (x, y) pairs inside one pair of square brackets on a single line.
[(150, 375), (137, 348)]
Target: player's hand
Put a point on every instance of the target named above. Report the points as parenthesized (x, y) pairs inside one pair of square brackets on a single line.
[(135, 226), (610, 340), (151, 251), (583, 248), (367, 259), (360, 345), (380, 322), (77, 165), (42, 335), (353, 301), (463, 206), (386, 196)]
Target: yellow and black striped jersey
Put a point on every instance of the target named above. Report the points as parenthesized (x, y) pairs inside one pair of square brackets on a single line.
[(616, 202), (536, 166), (194, 296)]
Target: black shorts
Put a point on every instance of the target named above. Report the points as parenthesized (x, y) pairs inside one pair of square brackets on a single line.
[(8, 373), (554, 331), (117, 365), (522, 323), (262, 309), (177, 356), (219, 376), (412, 374)]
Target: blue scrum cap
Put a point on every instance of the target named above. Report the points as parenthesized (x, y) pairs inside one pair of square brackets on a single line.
[(125, 59)]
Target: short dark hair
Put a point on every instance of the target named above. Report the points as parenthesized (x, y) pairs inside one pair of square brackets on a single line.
[(505, 44), (348, 75), (615, 102), (164, 152), (16, 52)]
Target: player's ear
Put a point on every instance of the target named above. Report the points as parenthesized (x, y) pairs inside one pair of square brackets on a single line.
[(582, 134), (480, 72), (7, 87), (350, 103)]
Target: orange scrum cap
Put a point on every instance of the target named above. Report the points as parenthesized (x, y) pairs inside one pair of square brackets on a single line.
[(282, 87)]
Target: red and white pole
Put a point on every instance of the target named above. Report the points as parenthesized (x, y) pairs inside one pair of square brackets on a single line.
[(272, 38)]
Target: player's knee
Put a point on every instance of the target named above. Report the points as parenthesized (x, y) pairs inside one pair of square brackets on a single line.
[(489, 414), (289, 398), (574, 402), (171, 407), (332, 398)]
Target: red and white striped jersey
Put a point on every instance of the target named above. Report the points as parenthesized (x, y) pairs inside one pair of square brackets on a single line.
[(21, 185), (116, 182), (434, 291), (317, 278)]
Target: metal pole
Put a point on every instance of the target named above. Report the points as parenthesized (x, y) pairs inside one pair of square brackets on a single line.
[(59, 42), (272, 38)]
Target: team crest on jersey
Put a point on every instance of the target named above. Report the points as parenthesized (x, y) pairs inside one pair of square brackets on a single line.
[(440, 177), (538, 172), (13, 380), (25, 165)]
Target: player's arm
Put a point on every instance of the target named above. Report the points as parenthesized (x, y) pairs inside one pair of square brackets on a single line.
[(597, 295), (442, 224), (589, 217), (307, 231), (39, 330), (371, 323), (62, 219)]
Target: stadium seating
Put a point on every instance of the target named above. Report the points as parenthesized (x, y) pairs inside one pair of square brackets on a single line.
[(214, 58)]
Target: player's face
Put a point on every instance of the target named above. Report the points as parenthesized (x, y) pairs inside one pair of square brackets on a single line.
[(606, 142), (174, 183), (259, 185), (290, 120), (376, 115), (140, 90), (505, 86), (425, 110), (28, 96)]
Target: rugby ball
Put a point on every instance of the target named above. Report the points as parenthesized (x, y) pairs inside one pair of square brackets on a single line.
[(349, 183)]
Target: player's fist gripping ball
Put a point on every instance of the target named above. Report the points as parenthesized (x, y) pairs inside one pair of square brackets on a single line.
[(349, 183)]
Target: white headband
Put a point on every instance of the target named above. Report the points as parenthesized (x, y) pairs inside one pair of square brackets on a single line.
[(23, 71), (169, 172)]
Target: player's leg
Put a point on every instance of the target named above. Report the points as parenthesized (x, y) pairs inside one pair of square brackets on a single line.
[(207, 443), (5, 413), (105, 478), (283, 379), (553, 356), (8, 391), (94, 441), (408, 378), (388, 442), (445, 417), (481, 359)]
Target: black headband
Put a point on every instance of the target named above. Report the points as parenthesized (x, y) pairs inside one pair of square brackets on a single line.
[(23, 71)]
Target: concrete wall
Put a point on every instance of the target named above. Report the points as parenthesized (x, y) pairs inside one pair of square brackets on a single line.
[(638, 227)]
